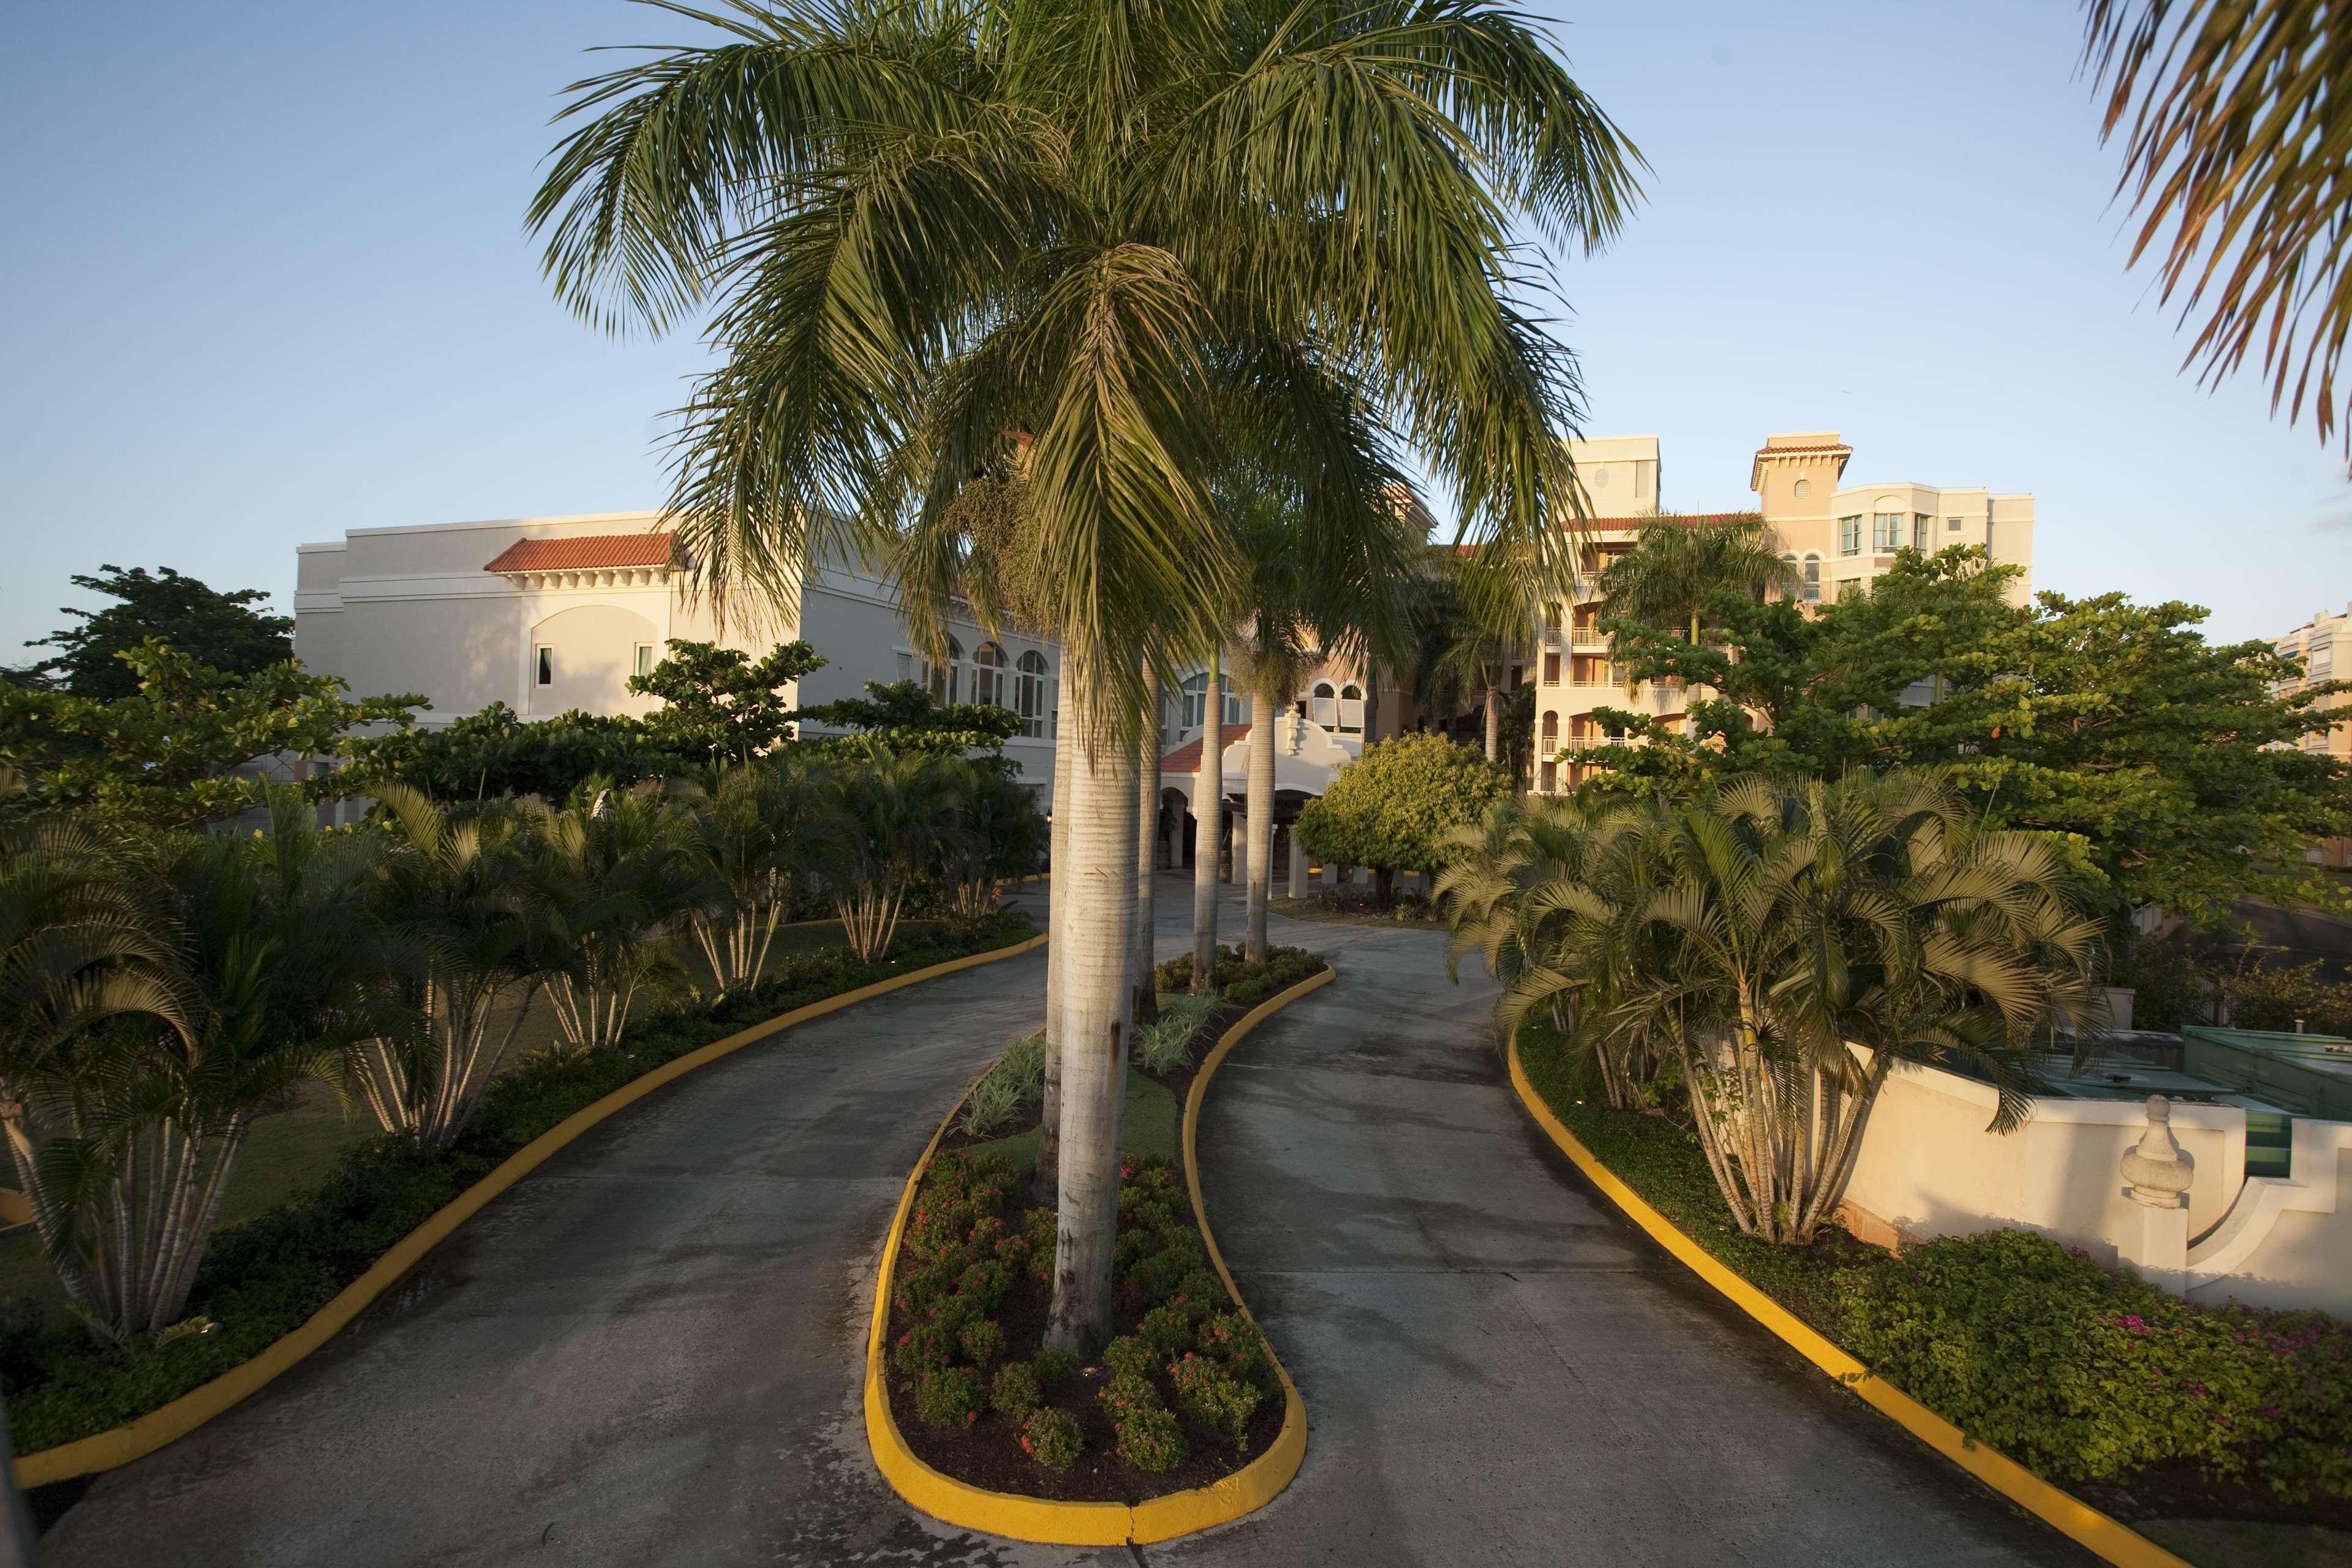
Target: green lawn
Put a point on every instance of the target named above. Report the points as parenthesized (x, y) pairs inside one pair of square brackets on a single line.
[(1150, 1123), (2249, 1544)]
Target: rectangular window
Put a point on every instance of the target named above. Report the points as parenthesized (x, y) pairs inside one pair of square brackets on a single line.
[(1850, 536), (1919, 521), (1951, 525), (1551, 670), (1551, 620), (644, 658), (1812, 579), (1550, 778), (543, 664), (1885, 532)]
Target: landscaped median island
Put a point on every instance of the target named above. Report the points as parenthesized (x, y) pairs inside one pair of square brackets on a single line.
[(265, 1278), (2143, 1404), (1184, 1398)]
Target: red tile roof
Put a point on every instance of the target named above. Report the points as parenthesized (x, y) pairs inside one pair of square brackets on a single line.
[(592, 553), (1770, 451), (1184, 758)]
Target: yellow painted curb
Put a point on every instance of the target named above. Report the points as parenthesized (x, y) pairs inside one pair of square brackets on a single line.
[(105, 1450), (2110, 1538), (1053, 1523)]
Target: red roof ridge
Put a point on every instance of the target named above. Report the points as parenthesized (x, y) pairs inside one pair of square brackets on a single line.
[(587, 553)]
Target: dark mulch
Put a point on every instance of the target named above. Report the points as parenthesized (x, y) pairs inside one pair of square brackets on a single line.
[(988, 1452)]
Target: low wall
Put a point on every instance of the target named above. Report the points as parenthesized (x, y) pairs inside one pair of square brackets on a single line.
[(1929, 1166)]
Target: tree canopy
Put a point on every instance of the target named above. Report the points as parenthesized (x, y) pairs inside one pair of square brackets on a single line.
[(2168, 763), (220, 631), (1392, 807)]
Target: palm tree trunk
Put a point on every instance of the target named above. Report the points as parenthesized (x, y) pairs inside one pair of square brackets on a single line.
[(1100, 891), (1208, 811), (1049, 1111), (1146, 1007), (1261, 821), (1494, 723)]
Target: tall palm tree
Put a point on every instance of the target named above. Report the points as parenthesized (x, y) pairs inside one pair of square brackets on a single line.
[(924, 229), (1146, 1006), (2240, 116), (1678, 564), (1208, 824)]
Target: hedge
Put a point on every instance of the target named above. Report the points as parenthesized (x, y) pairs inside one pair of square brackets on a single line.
[(262, 1279), (2078, 1371), (1240, 982)]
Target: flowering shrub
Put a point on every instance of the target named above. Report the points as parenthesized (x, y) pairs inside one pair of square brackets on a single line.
[(1150, 1439), (984, 1341), (1015, 1392), (1127, 1356), (1166, 1331), (2084, 1375), (1215, 1398), (1053, 1365), (950, 1397), (1240, 982), (1051, 1438), (1234, 1340)]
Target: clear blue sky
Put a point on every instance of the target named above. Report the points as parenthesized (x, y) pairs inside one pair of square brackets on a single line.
[(265, 280)]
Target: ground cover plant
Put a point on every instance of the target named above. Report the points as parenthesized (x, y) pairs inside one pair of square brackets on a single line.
[(2145, 1403), (1185, 1392), (262, 1278)]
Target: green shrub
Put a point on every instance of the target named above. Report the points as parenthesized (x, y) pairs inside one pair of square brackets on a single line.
[(922, 1350), (1198, 1294), (984, 1284), (1014, 1394), (950, 1397), (1166, 1331), (1127, 1391), (982, 1339), (1234, 1340), (1150, 1439), (1014, 1084), (1216, 1398), (1051, 1438), (1166, 1046), (1053, 1365), (1127, 1356)]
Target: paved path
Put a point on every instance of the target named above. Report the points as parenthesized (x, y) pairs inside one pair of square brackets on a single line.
[(647, 1352)]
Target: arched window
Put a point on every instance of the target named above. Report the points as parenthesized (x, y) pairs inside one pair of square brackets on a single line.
[(1031, 687), (1552, 731), (1195, 686), (946, 680), (1804, 489), (1324, 705), (1812, 579), (1351, 709), (988, 675)]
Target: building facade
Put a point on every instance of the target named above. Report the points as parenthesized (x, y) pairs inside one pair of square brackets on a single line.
[(1838, 536), (551, 614), (2324, 643)]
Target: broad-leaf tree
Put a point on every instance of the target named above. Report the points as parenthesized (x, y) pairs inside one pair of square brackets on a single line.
[(927, 234), (220, 631), (1396, 808)]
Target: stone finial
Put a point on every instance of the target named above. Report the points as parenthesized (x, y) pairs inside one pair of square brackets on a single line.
[(2158, 1171)]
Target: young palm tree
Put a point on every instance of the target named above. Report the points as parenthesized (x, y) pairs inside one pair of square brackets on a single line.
[(132, 1141), (1208, 825), (1774, 923), (623, 879), (2239, 117), (894, 812), (993, 834), (1678, 564), (1465, 632), (464, 903), (1113, 226), (756, 828)]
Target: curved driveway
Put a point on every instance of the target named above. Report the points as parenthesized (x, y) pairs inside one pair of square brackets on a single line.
[(648, 1352)]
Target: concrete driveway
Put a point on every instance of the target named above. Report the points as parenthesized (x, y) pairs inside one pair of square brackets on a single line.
[(648, 1352)]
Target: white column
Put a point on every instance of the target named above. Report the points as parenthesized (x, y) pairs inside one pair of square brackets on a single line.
[(1298, 867)]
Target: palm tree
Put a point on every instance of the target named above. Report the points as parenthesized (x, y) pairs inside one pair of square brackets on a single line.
[(1761, 930), (1208, 825), (133, 1140), (1466, 632), (1678, 564), (623, 879), (993, 834), (921, 231), (465, 906), (894, 813), (756, 827), (1145, 1008), (2240, 116)]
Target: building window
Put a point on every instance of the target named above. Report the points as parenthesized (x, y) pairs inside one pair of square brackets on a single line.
[(1812, 579), (1550, 732), (1951, 525), (1804, 489), (1885, 532), (542, 659), (988, 675), (644, 658), (1195, 686), (1850, 536), (1351, 709), (1551, 670), (1030, 687), (1323, 705), (1551, 620), (1921, 521), (946, 680), (1550, 783)]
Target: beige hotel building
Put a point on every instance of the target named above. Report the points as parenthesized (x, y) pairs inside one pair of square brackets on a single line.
[(1838, 535)]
